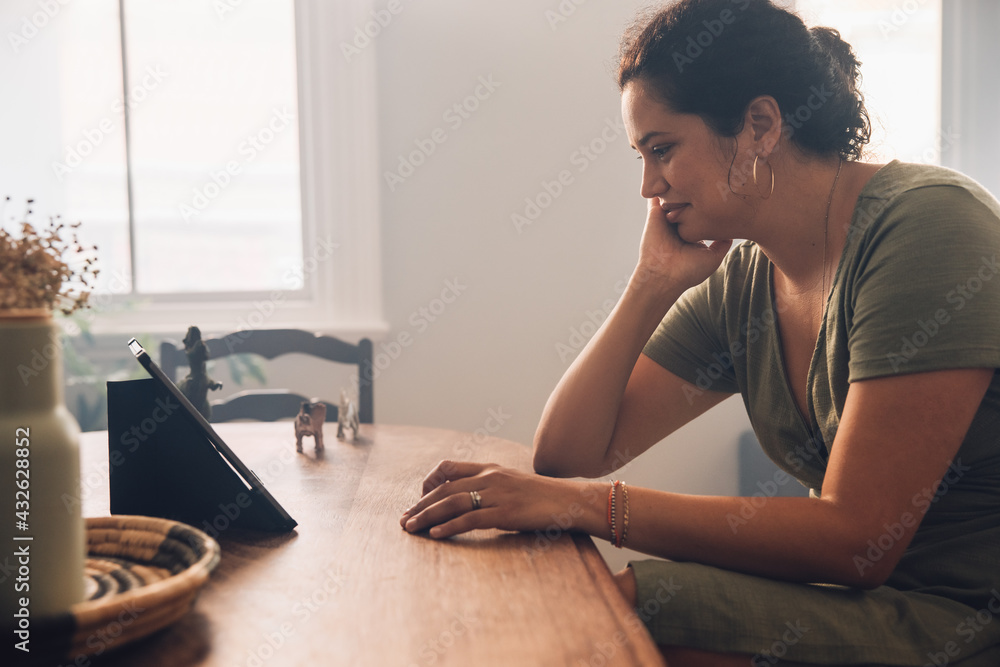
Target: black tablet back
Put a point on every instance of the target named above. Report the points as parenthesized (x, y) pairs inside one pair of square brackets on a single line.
[(162, 464)]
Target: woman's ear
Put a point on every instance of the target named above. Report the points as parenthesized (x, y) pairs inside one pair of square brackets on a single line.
[(764, 123)]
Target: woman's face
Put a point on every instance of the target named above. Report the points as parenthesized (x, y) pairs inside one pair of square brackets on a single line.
[(685, 168)]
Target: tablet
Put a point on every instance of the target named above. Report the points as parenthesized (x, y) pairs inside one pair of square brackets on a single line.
[(212, 439)]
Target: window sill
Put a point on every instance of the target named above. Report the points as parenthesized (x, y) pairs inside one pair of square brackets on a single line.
[(220, 318)]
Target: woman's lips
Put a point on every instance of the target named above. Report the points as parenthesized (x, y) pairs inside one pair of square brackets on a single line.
[(671, 211)]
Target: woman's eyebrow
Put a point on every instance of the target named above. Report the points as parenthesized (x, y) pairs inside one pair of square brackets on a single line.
[(650, 135)]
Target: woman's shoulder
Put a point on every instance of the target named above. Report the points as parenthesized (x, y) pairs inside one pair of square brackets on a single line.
[(738, 268), (741, 276), (730, 284), (905, 179), (910, 195), (744, 256)]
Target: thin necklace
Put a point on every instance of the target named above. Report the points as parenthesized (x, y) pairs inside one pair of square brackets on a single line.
[(826, 228)]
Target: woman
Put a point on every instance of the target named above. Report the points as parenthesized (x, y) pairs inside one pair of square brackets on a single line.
[(860, 322)]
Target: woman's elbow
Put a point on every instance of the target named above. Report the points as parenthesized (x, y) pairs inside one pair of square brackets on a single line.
[(548, 469), (546, 464), (550, 459), (863, 564)]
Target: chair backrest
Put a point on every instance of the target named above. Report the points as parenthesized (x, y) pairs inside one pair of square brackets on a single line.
[(269, 405)]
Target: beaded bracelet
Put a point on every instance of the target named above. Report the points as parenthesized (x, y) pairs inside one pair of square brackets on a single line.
[(611, 514), (618, 539), (621, 543)]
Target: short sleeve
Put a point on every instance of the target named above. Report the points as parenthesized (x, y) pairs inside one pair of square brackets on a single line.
[(925, 290), (691, 341)]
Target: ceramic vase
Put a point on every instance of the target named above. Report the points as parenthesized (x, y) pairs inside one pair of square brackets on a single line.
[(42, 547)]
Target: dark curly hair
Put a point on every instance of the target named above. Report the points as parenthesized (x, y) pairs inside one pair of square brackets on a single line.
[(713, 57)]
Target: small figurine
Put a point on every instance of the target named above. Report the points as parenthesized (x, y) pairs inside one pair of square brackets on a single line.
[(309, 421), (347, 417), (196, 385)]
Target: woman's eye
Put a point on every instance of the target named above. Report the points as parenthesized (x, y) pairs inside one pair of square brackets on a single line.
[(660, 151)]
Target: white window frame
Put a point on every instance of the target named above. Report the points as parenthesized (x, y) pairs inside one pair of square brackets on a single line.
[(970, 89), (338, 149)]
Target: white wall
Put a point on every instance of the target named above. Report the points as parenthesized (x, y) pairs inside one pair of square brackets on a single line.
[(528, 298), (525, 291)]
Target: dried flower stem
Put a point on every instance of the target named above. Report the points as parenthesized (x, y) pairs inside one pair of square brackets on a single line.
[(35, 272)]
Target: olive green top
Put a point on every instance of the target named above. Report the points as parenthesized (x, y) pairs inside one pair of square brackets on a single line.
[(917, 289)]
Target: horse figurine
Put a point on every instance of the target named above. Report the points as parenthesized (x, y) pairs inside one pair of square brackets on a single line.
[(309, 421), (347, 417)]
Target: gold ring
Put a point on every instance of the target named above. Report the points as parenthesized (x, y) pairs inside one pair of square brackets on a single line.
[(477, 500)]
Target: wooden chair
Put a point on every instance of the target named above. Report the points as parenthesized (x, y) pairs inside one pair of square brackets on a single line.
[(274, 404)]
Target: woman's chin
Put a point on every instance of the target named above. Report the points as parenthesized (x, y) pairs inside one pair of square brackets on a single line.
[(692, 234), (689, 234)]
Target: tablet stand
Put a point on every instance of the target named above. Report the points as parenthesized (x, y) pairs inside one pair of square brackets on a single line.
[(162, 464)]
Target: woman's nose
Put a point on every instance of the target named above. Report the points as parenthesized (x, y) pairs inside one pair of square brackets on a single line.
[(653, 183)]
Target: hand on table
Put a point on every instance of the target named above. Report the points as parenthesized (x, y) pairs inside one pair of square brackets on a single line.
[(509, 499)]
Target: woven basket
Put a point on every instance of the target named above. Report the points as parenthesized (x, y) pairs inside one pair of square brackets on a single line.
[(142, 575)]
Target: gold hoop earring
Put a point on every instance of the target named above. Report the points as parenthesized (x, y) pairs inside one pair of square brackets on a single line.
[(756, 185)]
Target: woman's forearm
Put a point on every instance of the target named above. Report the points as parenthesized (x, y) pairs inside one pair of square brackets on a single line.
[(579, 418), (791, 539)]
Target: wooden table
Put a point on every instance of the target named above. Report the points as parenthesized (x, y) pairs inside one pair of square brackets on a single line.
[(350, 587)]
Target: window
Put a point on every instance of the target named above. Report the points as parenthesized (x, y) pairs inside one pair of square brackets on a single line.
[(213, 147), (899, 46), (181, 155)]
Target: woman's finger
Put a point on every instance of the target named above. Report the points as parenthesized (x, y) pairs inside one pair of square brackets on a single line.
[(463, 523), (458, 487), (449, 471), (440, 510)]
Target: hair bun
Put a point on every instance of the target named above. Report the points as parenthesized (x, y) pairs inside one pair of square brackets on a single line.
[(833, 45)]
